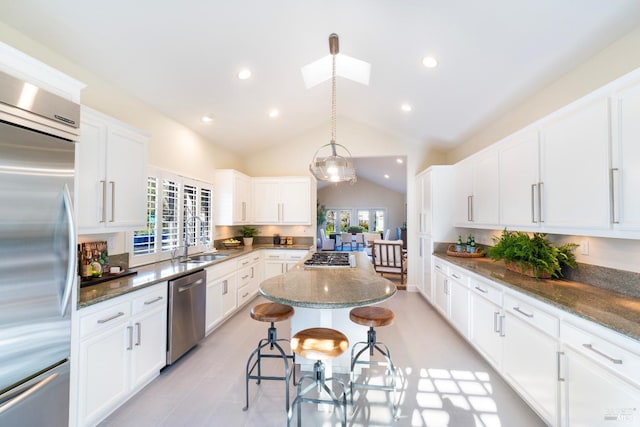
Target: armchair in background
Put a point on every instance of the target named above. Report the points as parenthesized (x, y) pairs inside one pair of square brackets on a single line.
[(388, 257), (346, 240), (327, 243), (368, 242)]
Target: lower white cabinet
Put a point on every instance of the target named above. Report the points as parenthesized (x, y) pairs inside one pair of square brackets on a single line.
[(440, 287), (600, 380), (530, 355), (122, 348), (249, 277), (458, 288), (221, 294), (487, 321), (280, 261)]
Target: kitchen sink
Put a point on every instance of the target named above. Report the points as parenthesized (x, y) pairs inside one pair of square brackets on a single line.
[(205, 258)]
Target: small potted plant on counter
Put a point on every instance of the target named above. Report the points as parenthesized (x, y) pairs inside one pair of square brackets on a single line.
[(248, 233), (533, 256)]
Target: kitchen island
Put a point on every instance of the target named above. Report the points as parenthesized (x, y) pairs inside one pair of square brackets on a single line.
[(323, 297)]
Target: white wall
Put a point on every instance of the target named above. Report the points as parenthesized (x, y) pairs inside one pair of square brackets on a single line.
[(366, 194)]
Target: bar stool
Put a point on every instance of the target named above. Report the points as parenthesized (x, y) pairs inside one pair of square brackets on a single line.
[(270, 312), (319, 344), (372, 317)]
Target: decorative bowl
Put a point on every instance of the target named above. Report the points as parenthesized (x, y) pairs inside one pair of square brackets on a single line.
[(231, 244)]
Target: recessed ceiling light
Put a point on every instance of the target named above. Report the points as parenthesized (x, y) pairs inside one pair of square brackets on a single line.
[(386, 175), (429, 62), (274, 113), (406, 108), (399, 160), (206, 118), (244, 74)]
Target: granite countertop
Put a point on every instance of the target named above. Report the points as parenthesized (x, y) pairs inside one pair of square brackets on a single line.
[(614, 310), (158, 272), (329, 287)]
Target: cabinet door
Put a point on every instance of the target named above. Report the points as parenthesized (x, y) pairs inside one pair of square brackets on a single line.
[(519, 178), (424, 202), (266, 201), (459, 306), (242, 211), (295, 198), (485, 205), (530, 364), (149, 345), (91, 170), (441, 291), (126, 178), (463, 193), (424, 267), (594, 397), (574, 169), (229, 294), (486, 329), (215, 310), (626, 159), (103, 373)]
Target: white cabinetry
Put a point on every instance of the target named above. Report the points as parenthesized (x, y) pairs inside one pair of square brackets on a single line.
[(451, 295), (111, 162), (477, 190), (487, 320), (122, 348), (249, 276), (574, 167), (530, 354), (600, 377), (221, 293), (282, 200), (520, 181), (233, 195), (280, 261), (625, 172), (440, 287)]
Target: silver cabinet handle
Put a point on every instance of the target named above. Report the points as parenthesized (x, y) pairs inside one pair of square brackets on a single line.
[(446, 286), (139, 334), (245, 262), (115, 316), (501, 323), (191, 285), (559, 356), (225, 287), (612, 171), (484, 291), (130, 330), (243, 296), (540, 216), (72, 263), (244, 211), (104, 201), (454, 275), (151, 301), (253, 272), (519, 310), (5, 406), (533, 203), (470, 208), (606, 356), (495, 322), (113, 201), (246, 276)]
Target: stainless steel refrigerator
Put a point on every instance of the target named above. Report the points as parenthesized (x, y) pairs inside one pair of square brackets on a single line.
[(37, 253)]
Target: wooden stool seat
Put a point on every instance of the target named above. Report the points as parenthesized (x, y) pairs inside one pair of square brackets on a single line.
[(319, 343), (271, 312), (372, 316)]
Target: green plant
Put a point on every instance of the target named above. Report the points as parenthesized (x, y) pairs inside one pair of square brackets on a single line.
[(321, 215), (248, 231), (535, 253), (355, 229)]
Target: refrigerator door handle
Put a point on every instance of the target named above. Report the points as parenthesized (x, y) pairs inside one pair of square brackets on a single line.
[(26, 394), (71, 265)]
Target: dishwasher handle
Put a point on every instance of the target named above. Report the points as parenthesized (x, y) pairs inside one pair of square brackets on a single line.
[(191, 285)]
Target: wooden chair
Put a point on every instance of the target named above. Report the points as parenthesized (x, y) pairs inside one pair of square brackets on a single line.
[(368, 242), (387, 257), (346, 240)]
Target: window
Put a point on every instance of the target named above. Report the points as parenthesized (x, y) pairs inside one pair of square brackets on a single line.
[(176, 207), (345, 220), (370, 219)]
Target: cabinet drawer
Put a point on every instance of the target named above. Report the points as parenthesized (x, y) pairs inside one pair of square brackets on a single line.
[(246, 275), (244, 294), (606, 353), (532, 315), (457, 274), (151, 299), (487, 291), (295, 255), (439, 265), (274, 256), (244, 262), (105, 318)]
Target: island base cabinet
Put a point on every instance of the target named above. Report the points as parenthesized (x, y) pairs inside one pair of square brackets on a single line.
[(593, 397), (530, 363)]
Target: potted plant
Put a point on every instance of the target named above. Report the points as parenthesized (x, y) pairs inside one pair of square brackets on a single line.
[(533, 256), (248, 233), (355, 229)]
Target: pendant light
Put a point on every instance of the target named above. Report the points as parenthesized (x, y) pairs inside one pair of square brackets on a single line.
[(332, 166)]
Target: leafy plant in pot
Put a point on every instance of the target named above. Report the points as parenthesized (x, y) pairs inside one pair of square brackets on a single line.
[(532, 255), (248, 233)]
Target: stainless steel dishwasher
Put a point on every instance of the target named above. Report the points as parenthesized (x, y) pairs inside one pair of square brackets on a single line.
[(187, 305)]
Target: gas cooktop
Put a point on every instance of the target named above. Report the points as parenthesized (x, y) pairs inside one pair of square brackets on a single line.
[(328, 259)]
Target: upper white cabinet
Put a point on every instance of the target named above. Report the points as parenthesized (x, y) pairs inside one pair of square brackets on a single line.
[(281, 200), (111, 164), (625, 172), (476, 190), (574, 167), (233, 195), (520, 181)]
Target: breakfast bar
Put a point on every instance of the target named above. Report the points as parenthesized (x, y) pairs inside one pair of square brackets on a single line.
[(323, 296)]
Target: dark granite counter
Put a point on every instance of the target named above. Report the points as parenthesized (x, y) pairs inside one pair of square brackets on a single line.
[(617, 311), (166, 270), (329, 287)]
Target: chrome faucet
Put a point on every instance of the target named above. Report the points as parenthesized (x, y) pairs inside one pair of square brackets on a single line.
[(185, 254)]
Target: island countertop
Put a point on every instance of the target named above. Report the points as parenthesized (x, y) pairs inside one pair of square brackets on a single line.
[(329, 287)]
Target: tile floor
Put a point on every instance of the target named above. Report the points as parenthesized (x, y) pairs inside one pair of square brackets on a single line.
[(445, 382)]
